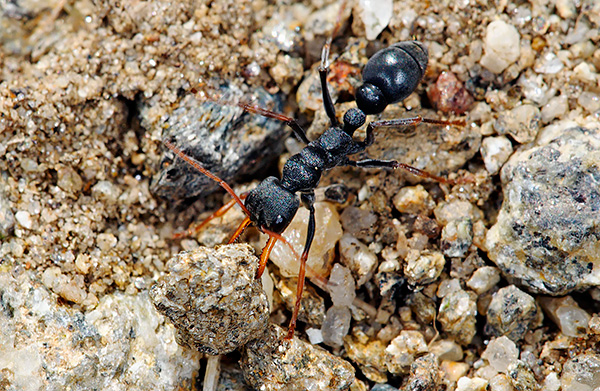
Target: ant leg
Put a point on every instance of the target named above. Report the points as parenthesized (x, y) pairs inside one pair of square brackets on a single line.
[(194, 163), (327, 102), (264, 256), (376, 163), (195, 228), (246, 222), (308, 200), (289, 121), (370, 138)]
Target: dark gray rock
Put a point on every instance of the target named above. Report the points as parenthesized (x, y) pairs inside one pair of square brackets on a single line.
[(512, 312), (225, 139), (546, 235)]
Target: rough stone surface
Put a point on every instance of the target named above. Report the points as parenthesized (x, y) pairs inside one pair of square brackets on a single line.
[(224, 138), (546, 234), (213, 298), (581, 373), (273, 363), (122, 344), (457, 315), (512, 313)]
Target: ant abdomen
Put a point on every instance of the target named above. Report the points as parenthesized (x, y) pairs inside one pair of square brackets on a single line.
[(391, 75)]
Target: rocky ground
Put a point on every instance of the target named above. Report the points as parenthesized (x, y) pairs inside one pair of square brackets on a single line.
[(414, 284)]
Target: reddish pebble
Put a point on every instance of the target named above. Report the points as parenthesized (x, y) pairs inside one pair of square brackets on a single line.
[(448, 94)]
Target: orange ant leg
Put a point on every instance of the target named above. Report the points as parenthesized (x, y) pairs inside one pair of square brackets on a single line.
[(195, 228), (264, 256), (246, 222), (194, 163), (308, 200)]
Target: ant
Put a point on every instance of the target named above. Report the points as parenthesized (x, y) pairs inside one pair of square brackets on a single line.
[(389, 76)]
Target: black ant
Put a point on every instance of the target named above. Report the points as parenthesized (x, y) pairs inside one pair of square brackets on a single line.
[(389, 76)]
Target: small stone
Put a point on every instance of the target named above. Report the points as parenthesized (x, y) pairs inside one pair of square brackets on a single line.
[(358, 258), (500, 382), (449, 95), (422, 268), (106, 241), (502, 46), (329, 231), (402, 351), (500, 353), (213, 298), (69, 180), (581, 373), (273, 363), (454, 370), (474, 384), (341, 286), (484, 279), (555, 108), (566, 313), (521, 377), (549, 63), (457, 237), (414, 200), (552, 382), (512, 313), (24, 219), (547, 227), (589, 101), (368, 354), (447, 350), (315, 336), (358, 222), (375, 15), (566, 9), (522, 123), (7, 218), (336, 325), (495, 152), (106, 191), (312, 305), (457, 315), (425, 374)]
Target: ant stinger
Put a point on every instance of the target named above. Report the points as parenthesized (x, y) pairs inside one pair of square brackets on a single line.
[(389, 76)]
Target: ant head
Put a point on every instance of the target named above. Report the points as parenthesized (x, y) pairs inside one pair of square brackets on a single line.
[(271, 206), (353, 119), (370, 99)]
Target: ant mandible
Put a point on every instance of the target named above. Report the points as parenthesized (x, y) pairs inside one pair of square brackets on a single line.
[(389, 76)]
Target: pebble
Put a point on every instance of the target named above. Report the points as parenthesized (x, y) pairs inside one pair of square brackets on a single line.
[(548, 221), (336, 325), (454, 370), (447, 350), (502, 46), (273, 363), (522, 123), (566, 313), (222, 137), (422, 268), (402, 351), (368, 354), (449, 95), (589, 101), (484, 279), (581, 373), (69, 180), (106, 191), (457, 313), (495, 151), (473, 384), (213, 298), (457, 237), (425, 374), (512, 313), (521, 377), (414, 200), (328, 233), (375, 15), (123, 343), (24, 219), (7, 218), (501, 382), (358, 258), (500, 353), (341, 286), (312, 305), (359, 222), (556, 107)]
